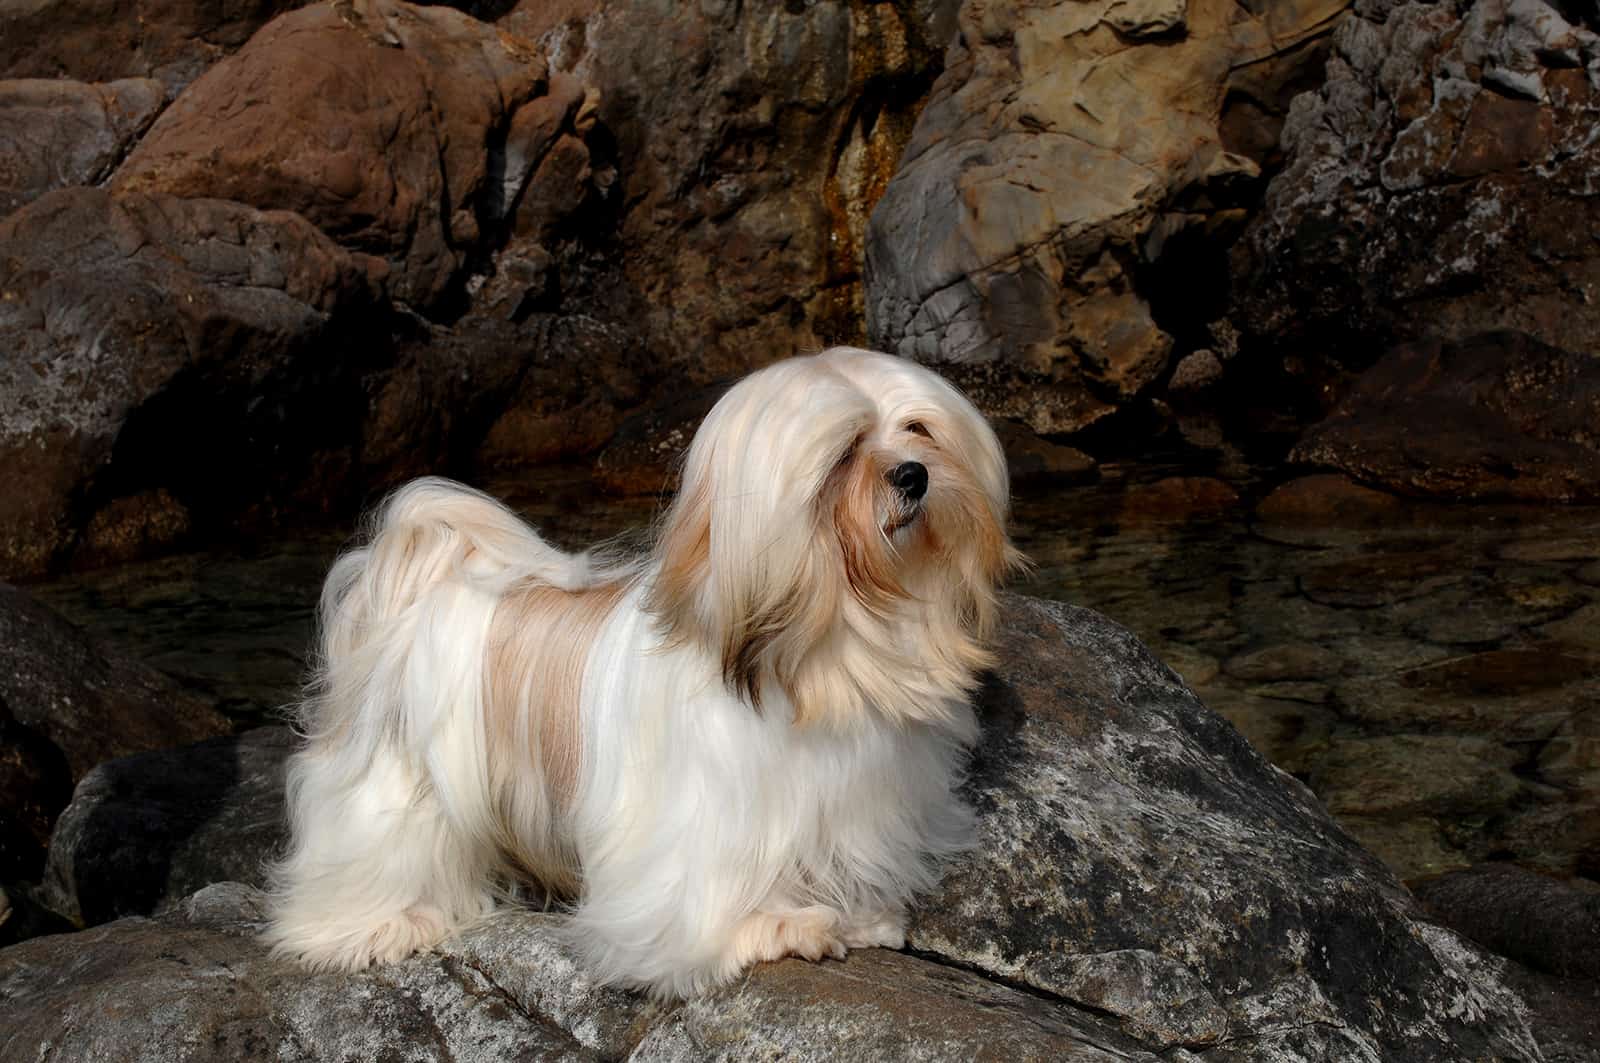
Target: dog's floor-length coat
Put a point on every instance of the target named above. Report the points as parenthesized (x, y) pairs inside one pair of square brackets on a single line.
[(743, 745)]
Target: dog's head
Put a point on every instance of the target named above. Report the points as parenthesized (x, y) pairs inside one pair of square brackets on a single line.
[(840, 534)]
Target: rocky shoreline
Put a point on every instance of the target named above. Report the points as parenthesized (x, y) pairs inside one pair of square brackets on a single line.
[(1146, 883)]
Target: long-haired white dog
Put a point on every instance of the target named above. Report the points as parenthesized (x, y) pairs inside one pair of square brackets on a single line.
[(742, 746)]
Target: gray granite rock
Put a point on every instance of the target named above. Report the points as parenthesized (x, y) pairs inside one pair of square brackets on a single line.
[(54, 134)]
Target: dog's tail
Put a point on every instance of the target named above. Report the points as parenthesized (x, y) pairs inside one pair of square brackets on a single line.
[(417, 594), (390, 809)]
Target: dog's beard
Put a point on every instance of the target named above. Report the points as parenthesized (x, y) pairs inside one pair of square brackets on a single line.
[(903, 517)]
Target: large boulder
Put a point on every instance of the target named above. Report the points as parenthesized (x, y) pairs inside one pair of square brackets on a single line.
[(55, 134), (196, 983), (1069, 152), (393, 128), (143, 832), (163, 359), (1144, 883), (1441, 182), (748, 144), (1493, 416)]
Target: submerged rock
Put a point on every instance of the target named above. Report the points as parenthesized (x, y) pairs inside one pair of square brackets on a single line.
[(1547, 923), (1144, 883)]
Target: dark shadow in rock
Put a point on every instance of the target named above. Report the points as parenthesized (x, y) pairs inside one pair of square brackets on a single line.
[(145, 831)]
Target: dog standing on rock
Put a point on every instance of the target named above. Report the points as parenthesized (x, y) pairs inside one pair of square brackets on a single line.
[(743, 745)]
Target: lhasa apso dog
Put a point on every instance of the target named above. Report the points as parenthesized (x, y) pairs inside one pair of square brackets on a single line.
[(742, 746)]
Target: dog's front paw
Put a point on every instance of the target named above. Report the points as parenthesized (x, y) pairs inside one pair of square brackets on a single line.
[(810, 933), (355, 947)]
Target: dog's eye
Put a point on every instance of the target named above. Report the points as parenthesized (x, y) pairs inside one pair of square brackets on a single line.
[(917, 428)]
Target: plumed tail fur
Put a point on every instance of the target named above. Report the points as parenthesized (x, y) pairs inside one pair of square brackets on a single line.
[(391, 807)]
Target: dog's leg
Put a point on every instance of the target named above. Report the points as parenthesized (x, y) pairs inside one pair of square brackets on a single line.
[(377, 871)]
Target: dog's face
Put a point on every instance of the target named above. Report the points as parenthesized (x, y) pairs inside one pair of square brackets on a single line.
[(840, 533)]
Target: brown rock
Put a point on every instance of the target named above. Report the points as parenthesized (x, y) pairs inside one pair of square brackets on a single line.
[(54, 134), (1178, 498), (1066, 148), (743, 147), (1328, 501), (383, 125), (1199, 371), (103, 40), (1033, 460), (1499, 415), (644, 456), (149, 343)]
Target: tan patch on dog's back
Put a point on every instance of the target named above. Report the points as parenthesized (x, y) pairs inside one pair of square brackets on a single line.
[(539, 643)]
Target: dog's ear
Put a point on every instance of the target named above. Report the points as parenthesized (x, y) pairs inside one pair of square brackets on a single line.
[(752, 594)]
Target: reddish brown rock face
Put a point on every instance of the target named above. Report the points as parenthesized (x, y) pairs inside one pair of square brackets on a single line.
[(380, 129), (102, 40), (1494, 416)]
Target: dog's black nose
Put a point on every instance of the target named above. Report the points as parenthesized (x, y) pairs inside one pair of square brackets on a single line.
[(910, 478)]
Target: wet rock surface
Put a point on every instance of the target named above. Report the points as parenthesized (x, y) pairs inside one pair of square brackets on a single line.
[(1072, 932)]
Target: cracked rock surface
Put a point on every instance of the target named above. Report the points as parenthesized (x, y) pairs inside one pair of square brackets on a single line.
[(1145, 883)]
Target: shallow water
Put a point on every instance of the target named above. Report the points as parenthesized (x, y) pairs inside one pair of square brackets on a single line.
[(1436, 681)]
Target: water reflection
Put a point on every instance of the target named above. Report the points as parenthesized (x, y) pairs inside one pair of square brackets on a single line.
[(1431, 672)]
